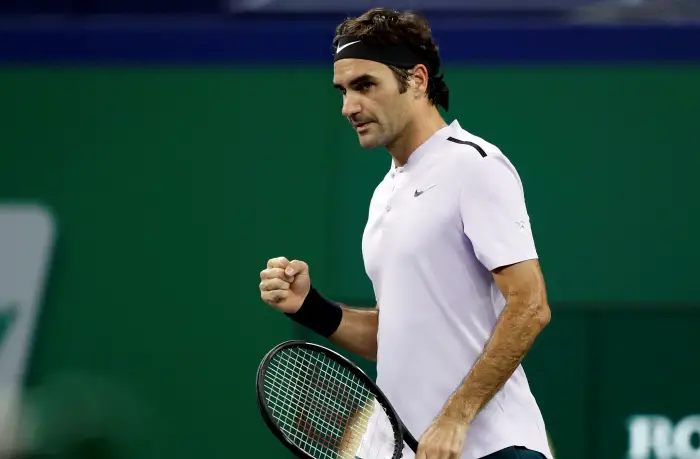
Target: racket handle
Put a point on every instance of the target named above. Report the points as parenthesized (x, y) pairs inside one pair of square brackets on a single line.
[(410, 441)]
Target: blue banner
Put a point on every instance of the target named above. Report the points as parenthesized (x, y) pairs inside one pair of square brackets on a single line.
[(419, 5), (306, 41)]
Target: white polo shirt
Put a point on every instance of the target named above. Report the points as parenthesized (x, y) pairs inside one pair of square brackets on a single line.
[(436, 227)]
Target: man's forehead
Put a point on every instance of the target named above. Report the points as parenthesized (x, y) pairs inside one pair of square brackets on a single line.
[(345, 70)]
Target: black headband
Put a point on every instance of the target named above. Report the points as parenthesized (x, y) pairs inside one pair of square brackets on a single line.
[(397, 55)]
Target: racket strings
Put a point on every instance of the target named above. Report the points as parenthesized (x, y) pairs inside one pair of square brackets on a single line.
[(323, 408), (325, 402), (307, 404)]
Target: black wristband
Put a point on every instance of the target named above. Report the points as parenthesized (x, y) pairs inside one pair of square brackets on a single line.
[(319, 314)]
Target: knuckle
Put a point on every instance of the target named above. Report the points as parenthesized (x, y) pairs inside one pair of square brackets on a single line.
[(274, 299), (278, 295), (298, 263), (277, 262), (269, 286), (279, 283), (276, 284)]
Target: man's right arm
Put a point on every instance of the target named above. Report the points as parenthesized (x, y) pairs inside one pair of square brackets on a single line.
[(357, 331), (286, 286)]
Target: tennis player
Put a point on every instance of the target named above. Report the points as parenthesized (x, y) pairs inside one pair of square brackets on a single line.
[(448, 248)]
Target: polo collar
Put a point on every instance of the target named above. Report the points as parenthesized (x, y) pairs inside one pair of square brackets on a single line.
[(420, 152)]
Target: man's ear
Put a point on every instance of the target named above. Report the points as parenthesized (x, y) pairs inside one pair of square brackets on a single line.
[(419, 80)]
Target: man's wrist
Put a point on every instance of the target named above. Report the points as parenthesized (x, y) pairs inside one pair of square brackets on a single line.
[(318, 313), (460, 408)]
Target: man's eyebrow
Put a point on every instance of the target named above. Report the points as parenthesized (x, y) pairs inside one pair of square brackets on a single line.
[(359, 80)]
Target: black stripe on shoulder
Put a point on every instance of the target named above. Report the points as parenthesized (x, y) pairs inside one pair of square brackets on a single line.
[(471, 144)]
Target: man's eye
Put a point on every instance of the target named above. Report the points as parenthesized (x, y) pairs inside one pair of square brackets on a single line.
[(360, 87)]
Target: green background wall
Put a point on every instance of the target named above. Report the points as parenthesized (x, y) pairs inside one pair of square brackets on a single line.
[(172, 187)]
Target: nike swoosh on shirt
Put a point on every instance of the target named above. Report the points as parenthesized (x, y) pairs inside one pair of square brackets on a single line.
[(420, 192)]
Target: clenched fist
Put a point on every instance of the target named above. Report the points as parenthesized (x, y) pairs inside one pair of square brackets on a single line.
[(284, 284)]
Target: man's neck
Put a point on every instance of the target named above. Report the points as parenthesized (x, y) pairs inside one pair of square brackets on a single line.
[(417, 132)]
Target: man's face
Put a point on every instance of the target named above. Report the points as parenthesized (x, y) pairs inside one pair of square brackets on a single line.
[(371, 101)]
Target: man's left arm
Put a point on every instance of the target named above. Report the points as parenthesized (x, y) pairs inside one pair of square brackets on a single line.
[(524, 316), (496, 221)]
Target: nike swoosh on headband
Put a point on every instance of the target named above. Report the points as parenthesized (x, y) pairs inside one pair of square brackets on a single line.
[(340, 48)]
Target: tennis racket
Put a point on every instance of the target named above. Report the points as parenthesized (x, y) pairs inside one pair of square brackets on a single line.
[(322, 406)]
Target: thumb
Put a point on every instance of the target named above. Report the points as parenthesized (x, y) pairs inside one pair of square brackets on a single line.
[(296, 267)]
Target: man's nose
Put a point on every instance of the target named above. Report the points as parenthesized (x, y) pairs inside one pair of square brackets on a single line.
[(350, 106)]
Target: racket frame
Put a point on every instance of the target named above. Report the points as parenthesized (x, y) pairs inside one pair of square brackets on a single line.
[(401, 433)]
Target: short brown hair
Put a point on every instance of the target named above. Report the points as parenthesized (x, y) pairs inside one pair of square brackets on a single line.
[(389, 27)]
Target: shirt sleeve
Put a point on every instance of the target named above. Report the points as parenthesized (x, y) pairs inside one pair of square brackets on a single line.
[(494, 214)]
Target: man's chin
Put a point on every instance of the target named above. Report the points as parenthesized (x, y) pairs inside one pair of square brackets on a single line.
[(368, 142)]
